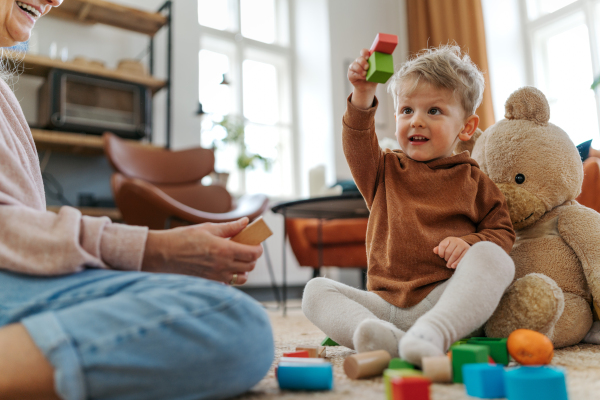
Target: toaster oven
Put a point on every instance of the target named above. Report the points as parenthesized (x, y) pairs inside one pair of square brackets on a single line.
[(77, 102)]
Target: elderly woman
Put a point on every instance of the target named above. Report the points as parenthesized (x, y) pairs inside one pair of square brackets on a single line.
[(86, 308)]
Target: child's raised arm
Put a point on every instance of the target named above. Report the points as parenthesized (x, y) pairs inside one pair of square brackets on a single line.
[(364, 91)]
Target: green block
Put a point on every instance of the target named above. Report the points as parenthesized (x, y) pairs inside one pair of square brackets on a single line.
[(467, 354), (398, 363), (381, 67), (328, 342), (497, 348), (460, 342), (389, 374)]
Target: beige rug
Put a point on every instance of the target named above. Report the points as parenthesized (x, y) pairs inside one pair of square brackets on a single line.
[(582, 363)]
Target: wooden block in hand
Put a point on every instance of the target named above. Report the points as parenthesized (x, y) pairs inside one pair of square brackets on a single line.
[(253, 234), (384, 43)]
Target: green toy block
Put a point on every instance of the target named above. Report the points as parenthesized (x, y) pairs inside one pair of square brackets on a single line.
[(398, 363), (467, 354), (381, 67), (497, 347), (460, 342), (390, 374), (328, 342)]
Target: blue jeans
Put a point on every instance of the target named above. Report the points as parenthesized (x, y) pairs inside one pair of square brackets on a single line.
[(133, 335)]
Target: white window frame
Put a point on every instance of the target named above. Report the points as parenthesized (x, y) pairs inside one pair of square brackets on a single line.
[(530, 27), (245, 48)]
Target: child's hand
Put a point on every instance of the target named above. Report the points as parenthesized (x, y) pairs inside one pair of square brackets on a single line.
[(364, 91), (452, 249)]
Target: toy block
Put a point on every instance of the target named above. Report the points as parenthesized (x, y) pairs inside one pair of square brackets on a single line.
[(303, 360), (467, 354), (314, 351), (410, 388), (254, 233), (328, 342), (298, 354), (384, 43), (437, 369), (460, 342), (497, 346), (365, 365), (398, 363), (381, 67), (304, 376), (484, 380), (390, 374), (535, 383)]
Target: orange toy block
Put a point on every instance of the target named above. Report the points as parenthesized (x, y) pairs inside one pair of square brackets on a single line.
[(253, 234), (384, 43), (410, 388), (299, 354)]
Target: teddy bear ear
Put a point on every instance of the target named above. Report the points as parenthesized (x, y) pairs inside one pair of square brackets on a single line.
[(528, 103)]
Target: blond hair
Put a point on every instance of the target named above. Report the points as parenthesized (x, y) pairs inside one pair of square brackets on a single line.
[(443, 67)]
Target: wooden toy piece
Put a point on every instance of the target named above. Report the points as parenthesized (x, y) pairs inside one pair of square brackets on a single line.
[(467, 354), (303, 360), (410, 388), (437, 369), (328, 342), (529, 347), (484, 380), (384, 43), (381, 67), (497, 346), (459, 342), (398, 363), (390, 374), (314, 351), (296, 354), (303, 376), (535, 383), (255, 233), (365, 365)]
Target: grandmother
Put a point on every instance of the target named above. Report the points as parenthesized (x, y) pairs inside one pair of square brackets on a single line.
[(92, 309)]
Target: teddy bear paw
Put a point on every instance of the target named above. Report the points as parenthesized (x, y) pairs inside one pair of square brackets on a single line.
[(593, 336)]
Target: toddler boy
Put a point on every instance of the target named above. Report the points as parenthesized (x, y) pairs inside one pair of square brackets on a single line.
[(439, 230)]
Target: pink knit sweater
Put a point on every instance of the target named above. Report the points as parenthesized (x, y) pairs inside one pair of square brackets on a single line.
[(36, 241)]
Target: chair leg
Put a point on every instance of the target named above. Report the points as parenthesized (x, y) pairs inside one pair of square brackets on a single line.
[(316, 272), (271, 274)]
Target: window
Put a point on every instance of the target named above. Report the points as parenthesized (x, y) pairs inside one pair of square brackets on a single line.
[(563, 61), (245, 71)]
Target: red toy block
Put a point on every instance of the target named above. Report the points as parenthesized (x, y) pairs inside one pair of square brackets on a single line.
[(410, 388), (384, 43), (302, 354)]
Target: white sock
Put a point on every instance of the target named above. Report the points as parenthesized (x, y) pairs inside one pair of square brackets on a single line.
[(470, 298), (375, 334)]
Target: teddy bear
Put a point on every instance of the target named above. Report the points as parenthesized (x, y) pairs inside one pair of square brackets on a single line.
[(557, 251)]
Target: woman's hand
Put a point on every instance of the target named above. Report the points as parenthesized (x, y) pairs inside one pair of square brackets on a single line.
[(201, 250)]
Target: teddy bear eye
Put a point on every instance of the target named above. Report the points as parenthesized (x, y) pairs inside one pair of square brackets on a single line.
[(520, 178)]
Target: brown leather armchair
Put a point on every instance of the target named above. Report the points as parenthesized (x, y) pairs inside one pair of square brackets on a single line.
[(342, 242), (161, 188)]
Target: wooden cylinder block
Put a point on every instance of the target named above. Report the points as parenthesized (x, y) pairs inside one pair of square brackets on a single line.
[(364, 365), (438, 369)]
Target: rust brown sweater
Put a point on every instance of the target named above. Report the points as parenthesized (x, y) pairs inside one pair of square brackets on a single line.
[(414, 206)]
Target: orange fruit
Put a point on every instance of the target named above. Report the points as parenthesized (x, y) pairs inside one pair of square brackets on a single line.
[(529, 347)]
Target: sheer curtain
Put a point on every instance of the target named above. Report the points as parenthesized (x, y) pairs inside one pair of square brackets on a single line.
[(435, 22)]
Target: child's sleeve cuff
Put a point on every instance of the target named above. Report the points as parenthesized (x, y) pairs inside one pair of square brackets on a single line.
[(358, 119)]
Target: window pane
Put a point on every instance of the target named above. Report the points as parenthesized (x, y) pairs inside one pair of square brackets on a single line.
[(267, 142), (260, 91), (537, 8), (564, 74), (258, 20), (214, 13)]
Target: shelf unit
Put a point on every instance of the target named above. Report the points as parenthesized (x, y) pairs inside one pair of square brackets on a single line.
[(116, 15)]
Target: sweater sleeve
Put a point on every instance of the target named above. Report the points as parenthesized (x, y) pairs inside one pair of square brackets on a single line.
[(45, 243), (361, 148), (494, 219)]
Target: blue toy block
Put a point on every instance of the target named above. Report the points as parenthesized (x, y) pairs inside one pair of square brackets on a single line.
[(467, 354), (535, 383), (301, 376), (485, 381)]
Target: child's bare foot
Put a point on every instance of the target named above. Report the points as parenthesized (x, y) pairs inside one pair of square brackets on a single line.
[(374, 334)]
